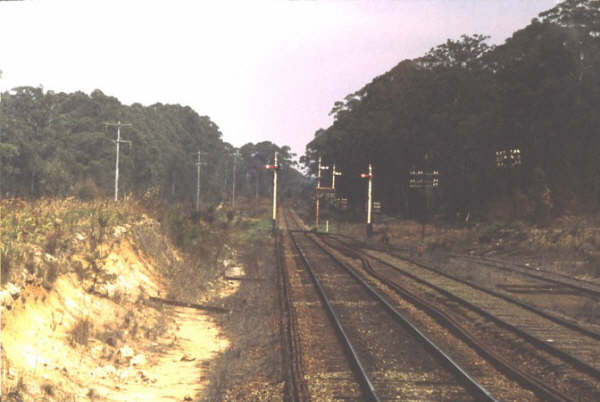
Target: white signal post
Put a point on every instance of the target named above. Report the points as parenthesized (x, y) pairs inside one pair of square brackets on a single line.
[(117, 142), (275, 167), (369, 198), (319, 168), (333, 174)]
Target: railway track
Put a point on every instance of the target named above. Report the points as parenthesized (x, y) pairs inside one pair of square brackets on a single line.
[(380, 342), (580, 286), (560, 358), (577, 308), (318, 368), (349, 305)]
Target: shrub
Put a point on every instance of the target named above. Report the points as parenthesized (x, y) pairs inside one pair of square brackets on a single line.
[(489, 232), (230, 215), (51, 275), (87, 190), (53, 240), (209, 215), (81, 332), (110, 336), (48, 389), (6, 261), (15, 394), (96, 271)]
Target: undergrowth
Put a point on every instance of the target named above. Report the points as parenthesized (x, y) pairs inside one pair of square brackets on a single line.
[(42, 235)]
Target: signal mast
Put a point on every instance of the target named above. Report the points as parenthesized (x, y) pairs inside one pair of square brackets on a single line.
[(319, 188), (369, 176), (275, 168)]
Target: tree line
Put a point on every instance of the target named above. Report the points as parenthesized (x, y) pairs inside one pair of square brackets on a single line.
[(454, 108), (57, 144)]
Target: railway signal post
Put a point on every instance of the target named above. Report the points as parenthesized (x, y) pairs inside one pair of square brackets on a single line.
[(509, 160), (369, 199), (275, 167), (333, 174), (117, 142), (427, 182), (319, 168)]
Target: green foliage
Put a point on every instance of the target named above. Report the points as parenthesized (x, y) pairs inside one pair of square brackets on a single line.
[(489, 232), (53, 240), (258, 230), (28, 230), (7, 260), (56, 144), (258, 180), (51, 275), (333, 228), (463, 101), (87, 190)]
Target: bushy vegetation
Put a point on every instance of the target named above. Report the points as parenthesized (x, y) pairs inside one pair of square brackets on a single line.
[(207, 239), (81, 332), (57, 144), (250, 368), (454, 108), (254, 229), (42, 235)]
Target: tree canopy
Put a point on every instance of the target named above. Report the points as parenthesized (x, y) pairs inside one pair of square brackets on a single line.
[(453, 108), (55, 144)]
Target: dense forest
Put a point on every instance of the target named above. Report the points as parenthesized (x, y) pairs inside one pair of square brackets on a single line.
[(57, 144), (454, 108)]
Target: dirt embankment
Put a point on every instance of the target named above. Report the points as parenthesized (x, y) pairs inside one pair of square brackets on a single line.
[(87, 337)]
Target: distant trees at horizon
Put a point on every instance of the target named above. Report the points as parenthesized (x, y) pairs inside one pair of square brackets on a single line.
[(57, 144), (455, 107)]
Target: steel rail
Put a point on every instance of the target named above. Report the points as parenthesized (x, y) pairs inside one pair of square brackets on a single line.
[(540, 388), (526, 306), (471, 383), (583, 366), (365, 381), (584, 286), (295, 388)]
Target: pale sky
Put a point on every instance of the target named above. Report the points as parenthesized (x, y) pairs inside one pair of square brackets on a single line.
[(262, 70)]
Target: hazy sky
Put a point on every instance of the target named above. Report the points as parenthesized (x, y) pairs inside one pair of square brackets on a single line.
[(262, 70)]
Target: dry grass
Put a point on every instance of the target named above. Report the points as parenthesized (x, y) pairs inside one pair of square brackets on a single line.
[(81, 332), (40, 235), (16, 392), (252, 364), (570, 244)]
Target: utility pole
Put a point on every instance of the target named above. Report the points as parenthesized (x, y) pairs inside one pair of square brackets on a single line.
[(275, 167), (118, 141), (369, 199), (319, 168), (198, 164)]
